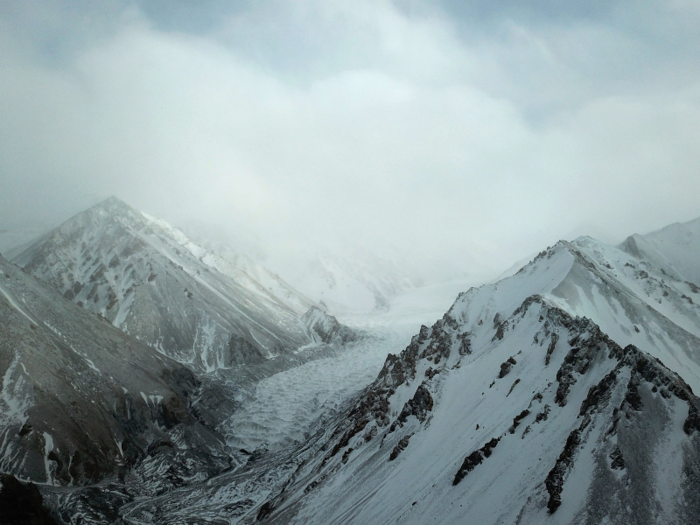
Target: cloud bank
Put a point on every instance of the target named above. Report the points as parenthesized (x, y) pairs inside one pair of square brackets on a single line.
[(466, 132)]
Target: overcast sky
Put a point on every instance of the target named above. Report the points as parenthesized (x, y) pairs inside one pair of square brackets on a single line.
[(473, 131)]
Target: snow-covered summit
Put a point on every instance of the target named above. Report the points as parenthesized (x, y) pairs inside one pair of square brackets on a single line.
[(631, 299), (675, 249), (150, 280), (561, 394)]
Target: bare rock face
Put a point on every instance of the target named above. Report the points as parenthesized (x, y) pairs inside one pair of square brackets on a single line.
[(82, 401), (420, 405), (474, 459), (506, 366)]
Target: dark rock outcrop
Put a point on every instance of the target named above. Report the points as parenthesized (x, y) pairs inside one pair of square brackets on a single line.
[(475, 459), (22, 504)]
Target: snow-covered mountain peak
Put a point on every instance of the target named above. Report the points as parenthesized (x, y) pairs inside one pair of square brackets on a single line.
[(631, 299), (114, 206), (111, 210), (542, 398), (150, 280), (675, 249), (537, 416)]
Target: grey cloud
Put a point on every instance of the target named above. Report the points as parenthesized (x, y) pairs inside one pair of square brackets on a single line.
[(315, 123)]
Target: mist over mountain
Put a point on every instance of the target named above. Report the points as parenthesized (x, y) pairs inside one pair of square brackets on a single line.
[(471, 135)]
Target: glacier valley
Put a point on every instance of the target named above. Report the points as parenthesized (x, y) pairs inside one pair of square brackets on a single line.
[(151, 378)]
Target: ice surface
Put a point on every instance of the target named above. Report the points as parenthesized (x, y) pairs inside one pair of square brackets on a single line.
[(282, 407)]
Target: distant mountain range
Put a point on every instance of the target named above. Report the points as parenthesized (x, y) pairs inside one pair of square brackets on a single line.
[(565, 393)]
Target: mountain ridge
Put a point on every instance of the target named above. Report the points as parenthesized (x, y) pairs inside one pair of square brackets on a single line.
[(393, 424), (529, 327), (144, 277), (563, 393), (82, 400)]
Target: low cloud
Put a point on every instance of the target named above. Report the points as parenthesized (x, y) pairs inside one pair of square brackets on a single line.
[(476, 137)]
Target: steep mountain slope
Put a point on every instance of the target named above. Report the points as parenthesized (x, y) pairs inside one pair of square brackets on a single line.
[(513, 410), (674, 249), (542, 420), (244, 269), (82, 401), (151, 281)]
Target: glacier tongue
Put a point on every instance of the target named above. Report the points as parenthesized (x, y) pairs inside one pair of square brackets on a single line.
[(282, 407)]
